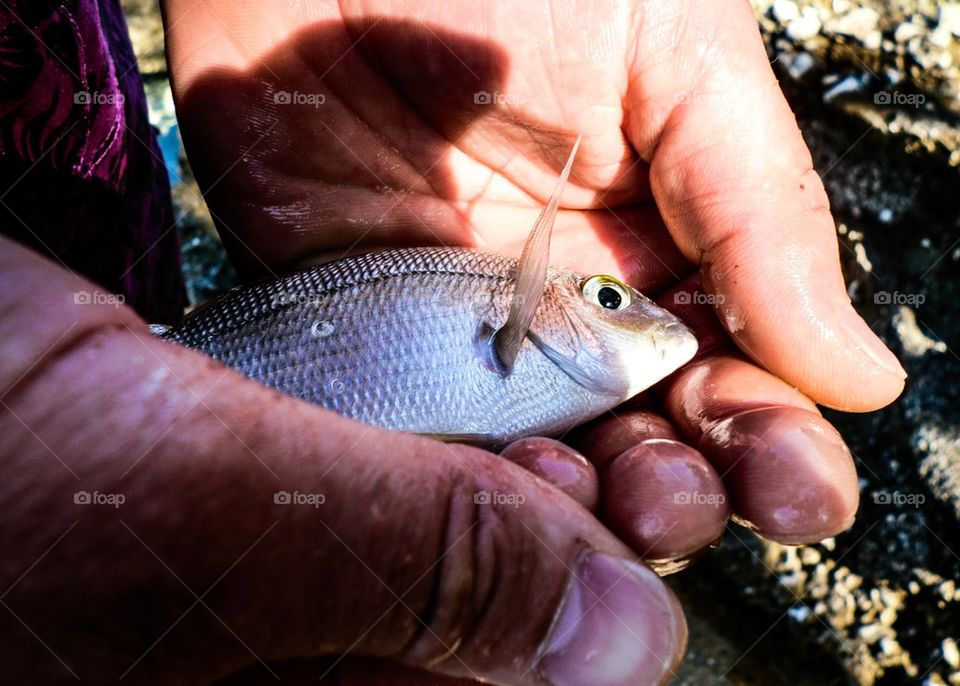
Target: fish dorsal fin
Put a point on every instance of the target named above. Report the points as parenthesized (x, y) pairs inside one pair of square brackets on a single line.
[(531, 277)]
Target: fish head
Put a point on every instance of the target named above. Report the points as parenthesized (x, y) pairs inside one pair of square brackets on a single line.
[(608, 336)]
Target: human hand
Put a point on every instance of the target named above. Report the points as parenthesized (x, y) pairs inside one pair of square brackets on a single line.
[(167, 520), (691, 161)]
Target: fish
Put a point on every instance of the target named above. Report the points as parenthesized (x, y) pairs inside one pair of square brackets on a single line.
[(450, 342)]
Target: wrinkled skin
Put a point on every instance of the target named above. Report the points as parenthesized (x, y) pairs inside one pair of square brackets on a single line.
[(691, 162)]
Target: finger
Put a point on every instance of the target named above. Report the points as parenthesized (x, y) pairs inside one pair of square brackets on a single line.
[(557, 464), (665, 500), (306, 533), (342, 671), (734, 181), (609, 436), (660, 496), (789, 474)]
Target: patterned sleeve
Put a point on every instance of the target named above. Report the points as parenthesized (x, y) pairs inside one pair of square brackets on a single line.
[(81, 175)]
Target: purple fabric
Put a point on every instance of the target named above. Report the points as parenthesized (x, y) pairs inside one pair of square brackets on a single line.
[(81, 175)]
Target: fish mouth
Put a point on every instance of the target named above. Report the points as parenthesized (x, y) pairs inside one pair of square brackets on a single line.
[(671, 344), (675, 344)]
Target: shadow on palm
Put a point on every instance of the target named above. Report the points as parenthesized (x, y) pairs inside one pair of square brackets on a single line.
[(409, 137)]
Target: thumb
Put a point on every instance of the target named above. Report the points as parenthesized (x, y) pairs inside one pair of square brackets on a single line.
[(734, 181), (485, 571), (255, 528)]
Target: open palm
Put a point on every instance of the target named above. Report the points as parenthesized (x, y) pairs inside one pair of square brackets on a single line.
[(318, 130)]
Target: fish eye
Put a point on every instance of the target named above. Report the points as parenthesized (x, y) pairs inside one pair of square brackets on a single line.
[(607, 292)]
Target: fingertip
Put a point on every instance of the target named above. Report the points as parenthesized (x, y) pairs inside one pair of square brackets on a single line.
[(665, 500), (590, 613), (877, 361), (607, 437), (791, 475), (800, 324), (788, 472), (559, 465), (619, 624)]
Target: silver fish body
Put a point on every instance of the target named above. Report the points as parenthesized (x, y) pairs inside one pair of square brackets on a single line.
[(401, 339)]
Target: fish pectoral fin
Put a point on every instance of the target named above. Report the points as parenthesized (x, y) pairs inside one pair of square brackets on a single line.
[(568, 365), (531, 277)]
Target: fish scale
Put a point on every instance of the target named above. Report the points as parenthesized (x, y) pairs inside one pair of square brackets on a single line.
[(401, 351), (450, 342)]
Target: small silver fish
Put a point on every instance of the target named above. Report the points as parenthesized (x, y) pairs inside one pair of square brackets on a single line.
[(449, 342)]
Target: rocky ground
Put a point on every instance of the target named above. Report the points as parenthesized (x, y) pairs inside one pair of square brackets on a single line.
[(876, 87)]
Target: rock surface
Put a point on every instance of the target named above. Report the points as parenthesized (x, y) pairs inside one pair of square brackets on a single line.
[(876, 88)]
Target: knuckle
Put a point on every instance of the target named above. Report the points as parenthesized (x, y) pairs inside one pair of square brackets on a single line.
[(478, 541)]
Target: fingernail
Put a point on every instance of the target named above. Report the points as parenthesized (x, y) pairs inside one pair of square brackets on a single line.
[(557, 464), (790, 473), (617, 625), (867, 341), (664, 500)]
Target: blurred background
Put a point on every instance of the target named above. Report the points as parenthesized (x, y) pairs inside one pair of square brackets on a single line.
[(876, 87)]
